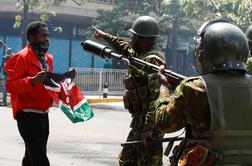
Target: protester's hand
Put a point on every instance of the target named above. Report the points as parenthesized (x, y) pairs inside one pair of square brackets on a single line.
[(39, 77), (72, 73), (98, 34), (161, 77), (147, 136)]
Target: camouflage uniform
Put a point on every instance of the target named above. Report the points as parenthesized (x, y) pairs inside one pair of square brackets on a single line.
[(142, 90), (215, 108), (174, 112), (189, 107)]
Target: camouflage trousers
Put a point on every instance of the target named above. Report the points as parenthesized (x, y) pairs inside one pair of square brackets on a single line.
[(140, 155)]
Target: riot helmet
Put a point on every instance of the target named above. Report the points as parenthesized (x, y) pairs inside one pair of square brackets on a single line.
[(220, 45), (145, 26)]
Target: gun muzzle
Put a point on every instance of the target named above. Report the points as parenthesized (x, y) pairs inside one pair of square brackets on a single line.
[(103, 51), (94, 48)]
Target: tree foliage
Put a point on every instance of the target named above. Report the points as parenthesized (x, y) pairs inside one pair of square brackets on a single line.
[(173, 16), (187, 13), (119, 20), (35, 6), (237, 11)]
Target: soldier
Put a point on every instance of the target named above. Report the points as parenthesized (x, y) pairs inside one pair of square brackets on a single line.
[(142, 88), (215, 108), (248, 34)]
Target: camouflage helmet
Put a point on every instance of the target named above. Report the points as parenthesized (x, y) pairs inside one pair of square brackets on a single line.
[(220, 45), (145, 26)]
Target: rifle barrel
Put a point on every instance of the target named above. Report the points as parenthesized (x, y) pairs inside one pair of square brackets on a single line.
[(103, 51), (154, 141)]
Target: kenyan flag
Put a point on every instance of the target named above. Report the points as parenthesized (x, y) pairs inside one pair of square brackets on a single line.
[(70, 100)]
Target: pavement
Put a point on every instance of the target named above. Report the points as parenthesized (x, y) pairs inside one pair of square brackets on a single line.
[(92, 143)]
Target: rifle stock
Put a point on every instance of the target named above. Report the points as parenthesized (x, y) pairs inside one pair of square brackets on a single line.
[(103, 51)]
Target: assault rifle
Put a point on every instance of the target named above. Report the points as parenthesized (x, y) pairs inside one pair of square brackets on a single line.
[(168, 149), (168, 139), (104, 52)]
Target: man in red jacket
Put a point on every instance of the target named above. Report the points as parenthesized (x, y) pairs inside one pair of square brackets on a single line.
[(26, 71)]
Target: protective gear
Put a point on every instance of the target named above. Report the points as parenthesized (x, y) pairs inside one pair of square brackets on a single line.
[(231, 137), (145, 26), (40, 48), (220, 46), (139, 87), (134, 42)]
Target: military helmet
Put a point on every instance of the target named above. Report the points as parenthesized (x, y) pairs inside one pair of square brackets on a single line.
[(220, 45), (145, 26)]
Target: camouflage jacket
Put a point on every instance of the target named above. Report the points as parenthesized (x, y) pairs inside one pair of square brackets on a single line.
[(141, 78), (188, 106)]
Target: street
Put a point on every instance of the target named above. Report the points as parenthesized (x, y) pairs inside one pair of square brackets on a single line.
[(92, 143)]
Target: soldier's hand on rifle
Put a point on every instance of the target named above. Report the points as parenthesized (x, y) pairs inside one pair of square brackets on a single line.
[(162, 78), (98, 34), (39, 77), (147, 136)]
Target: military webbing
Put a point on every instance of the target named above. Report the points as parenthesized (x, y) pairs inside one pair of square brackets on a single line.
[(141, 87)]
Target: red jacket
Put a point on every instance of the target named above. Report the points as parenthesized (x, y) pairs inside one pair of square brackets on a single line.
[(20, 68)]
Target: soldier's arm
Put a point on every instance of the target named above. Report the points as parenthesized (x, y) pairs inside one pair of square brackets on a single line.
[(160, 102), (120, 45), (187, 106), (154, 59)]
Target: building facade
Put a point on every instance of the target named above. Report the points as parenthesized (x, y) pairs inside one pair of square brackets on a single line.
[(75, 17)]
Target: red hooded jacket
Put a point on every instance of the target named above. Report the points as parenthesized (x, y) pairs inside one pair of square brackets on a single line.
[(20, 68)]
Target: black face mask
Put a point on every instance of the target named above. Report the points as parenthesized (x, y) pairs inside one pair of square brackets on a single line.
[(40, 48), (135, 45)]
